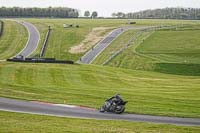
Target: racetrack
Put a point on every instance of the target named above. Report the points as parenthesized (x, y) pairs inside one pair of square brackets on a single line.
[(76, 111), (33, 41), (33, 107)]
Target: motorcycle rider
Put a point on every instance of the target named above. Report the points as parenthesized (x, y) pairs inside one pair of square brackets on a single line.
[(117, 99), (114, 104)]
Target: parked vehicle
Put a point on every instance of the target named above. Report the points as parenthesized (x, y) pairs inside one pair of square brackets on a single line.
[(114, 104)]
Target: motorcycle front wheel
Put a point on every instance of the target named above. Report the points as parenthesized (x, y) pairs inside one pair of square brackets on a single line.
[(102, 110)]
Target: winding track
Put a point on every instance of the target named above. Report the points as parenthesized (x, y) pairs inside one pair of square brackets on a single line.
[(59, 110), (33, 41), (76, 111), (93, 53)]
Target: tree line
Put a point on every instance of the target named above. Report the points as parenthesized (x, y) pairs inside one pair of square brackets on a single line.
[(93, 15), (166, 13), (60, 12)]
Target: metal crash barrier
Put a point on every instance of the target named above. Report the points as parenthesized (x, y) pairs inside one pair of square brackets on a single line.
[(40, 60)]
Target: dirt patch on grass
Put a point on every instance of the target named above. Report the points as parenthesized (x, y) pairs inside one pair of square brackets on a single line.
[(91, 39)]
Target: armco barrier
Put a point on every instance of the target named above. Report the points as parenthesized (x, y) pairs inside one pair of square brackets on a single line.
[(47, 59), (2, 27), (45, 43), (40, 60)]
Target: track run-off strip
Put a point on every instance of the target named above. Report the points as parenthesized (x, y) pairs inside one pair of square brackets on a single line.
[(72, 111)]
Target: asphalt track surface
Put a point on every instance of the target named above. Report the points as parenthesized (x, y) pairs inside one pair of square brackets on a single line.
[(95, 51), (34, 107), (33, 40)]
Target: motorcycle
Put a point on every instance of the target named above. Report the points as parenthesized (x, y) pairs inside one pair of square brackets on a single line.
[(111, 105)]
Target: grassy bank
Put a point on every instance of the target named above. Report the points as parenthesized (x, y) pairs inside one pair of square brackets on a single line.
[(173, 51), (132, 37), (115, 46), (180, 46), (13, 39), (147, 92), (24, 123)]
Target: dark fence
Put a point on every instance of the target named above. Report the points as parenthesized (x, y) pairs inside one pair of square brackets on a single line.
[(40, 60), (1, 28), (45, 43)]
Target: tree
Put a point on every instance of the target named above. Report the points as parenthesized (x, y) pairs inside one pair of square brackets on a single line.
[(165, 13), (94, 14), (120, 15), (113, 15), (62, 12), (129, 15), (87, 14), (198, 16)]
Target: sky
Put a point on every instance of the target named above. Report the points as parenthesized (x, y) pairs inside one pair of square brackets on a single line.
[(103, 7)]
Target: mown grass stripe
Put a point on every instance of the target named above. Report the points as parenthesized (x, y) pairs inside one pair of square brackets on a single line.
[(89, 85)]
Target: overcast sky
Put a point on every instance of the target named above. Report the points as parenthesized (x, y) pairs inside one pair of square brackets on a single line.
[(104, 7)]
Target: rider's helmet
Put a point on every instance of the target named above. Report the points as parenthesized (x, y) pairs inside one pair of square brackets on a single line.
[(118, 96)]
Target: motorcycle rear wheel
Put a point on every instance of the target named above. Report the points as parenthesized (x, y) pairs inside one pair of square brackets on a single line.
[(120, 111)]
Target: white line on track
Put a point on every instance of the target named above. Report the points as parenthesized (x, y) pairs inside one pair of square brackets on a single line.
[(64, 105)]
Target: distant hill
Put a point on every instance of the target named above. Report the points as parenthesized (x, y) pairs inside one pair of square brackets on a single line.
[(57, 12), (165, 13)]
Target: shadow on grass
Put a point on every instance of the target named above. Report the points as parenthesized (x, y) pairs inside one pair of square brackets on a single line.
[(178, 69)]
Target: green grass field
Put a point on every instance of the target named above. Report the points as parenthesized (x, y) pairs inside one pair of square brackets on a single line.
[(147, 92), (173, 51), (24, 123), (116, 45), (13, 40), (173, 46)]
